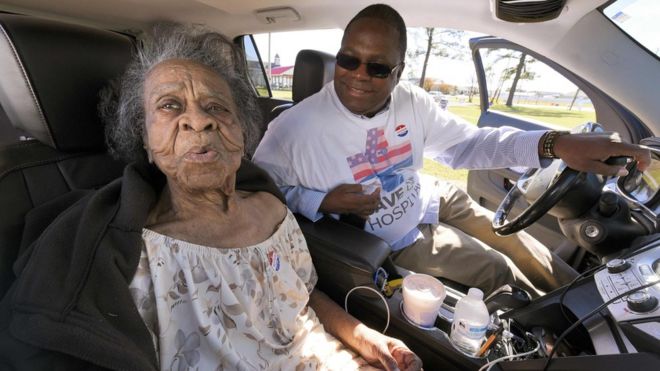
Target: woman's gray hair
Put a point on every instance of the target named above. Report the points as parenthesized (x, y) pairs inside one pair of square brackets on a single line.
[(122, 103)]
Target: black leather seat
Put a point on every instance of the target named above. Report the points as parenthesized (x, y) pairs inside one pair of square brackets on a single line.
[(49, 87), (312, 70)]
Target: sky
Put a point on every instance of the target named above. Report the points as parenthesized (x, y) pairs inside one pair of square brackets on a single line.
[(639, 18)]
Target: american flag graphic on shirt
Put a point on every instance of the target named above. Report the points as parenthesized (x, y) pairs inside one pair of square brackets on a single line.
[(380, 160)]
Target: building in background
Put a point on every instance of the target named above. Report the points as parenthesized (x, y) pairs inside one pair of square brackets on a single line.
[(281, 77)]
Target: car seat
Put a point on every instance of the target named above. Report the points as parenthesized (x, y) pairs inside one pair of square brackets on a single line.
[(51, 76), (312, 70)]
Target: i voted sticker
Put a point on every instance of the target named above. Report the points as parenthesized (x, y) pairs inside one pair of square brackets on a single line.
[(401, 130)]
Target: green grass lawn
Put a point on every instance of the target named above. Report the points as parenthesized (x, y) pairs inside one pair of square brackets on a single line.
[(277, 94), (556, 116), (282, 94)]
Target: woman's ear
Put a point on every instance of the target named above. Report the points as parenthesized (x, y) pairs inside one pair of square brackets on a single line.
[(150, 157), (145, 145)]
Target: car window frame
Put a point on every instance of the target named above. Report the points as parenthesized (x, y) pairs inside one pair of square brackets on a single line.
[(239, 41), (617, 117)]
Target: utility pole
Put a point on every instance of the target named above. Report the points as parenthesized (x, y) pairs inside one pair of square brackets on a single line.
[(270, 65)]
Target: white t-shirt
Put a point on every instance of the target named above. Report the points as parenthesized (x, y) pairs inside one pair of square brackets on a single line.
[(318, 144)]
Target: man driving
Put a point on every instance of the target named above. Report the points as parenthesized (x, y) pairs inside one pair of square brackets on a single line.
[(356, 147)]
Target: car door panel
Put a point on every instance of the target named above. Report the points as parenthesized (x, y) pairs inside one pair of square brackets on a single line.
[(489, 187)]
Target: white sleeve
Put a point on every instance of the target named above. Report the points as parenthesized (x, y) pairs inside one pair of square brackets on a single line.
[(494, 148), (460, 144)]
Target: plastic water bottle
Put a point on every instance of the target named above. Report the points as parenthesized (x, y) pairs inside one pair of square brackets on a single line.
[(470, 322)]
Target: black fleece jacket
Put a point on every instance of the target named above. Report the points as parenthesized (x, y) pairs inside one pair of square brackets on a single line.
[(70, 307)]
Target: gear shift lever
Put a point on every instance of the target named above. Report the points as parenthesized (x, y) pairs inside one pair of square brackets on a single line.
[(507, 297)]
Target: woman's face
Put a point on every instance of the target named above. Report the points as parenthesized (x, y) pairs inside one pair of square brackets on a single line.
[(192, 128)]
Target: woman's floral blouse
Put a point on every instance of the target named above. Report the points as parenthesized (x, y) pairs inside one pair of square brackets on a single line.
[(234, 309)]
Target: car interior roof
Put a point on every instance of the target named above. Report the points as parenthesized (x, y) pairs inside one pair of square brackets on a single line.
[(236, 17), (580, 39)]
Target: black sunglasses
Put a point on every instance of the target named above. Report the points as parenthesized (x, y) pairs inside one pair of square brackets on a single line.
[(377, 70)]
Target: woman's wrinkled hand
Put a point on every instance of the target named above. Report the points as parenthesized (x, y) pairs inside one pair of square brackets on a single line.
[(385, 352)]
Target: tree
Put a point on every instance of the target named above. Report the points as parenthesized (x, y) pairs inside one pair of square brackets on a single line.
[(447, 88), (516, 78), (538, 96), (574, 98), (472, 90), (429, 84), (519, 72), (442, 43)]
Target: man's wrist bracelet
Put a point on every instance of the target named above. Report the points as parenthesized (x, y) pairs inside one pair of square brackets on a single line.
[(548, 143)]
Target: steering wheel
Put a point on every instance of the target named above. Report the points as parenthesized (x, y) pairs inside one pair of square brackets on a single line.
[(544, 185)]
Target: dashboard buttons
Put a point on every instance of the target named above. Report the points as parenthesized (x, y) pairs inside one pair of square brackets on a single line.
[(622, 276), (617, 265), (641, 302), (645, 270)]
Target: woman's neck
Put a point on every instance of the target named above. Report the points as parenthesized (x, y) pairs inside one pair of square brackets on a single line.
[(179, 204), (214, 219)]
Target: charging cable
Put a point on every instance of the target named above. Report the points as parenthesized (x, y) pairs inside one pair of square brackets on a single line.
[(492, 363), (586, 316), (568, 287), (387, 323)]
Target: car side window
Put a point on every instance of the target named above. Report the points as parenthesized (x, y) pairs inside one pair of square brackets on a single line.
[(279, 51), (255, 68), (524, 86)]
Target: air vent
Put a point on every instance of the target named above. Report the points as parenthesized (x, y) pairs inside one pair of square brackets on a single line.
[(527, 11)]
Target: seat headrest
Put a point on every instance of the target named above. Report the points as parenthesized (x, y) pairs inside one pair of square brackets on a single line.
[(52, 73), (313, 69)]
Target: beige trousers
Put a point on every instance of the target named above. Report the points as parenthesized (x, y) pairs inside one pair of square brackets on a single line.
[(463, 247)]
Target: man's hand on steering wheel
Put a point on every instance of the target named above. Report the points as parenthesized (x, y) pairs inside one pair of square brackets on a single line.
[(588, 151)]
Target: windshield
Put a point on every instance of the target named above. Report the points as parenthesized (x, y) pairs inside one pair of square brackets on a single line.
[(639, 19)]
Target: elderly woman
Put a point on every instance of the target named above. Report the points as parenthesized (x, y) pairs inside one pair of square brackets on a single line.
[(179, 264)]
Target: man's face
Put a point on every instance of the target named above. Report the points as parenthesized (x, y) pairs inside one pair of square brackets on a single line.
[(369, 40)]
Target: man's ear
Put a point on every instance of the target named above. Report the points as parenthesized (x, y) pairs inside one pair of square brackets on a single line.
[(400, 72)]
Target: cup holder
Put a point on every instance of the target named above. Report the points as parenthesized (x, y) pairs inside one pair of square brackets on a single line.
[(457, 349), (443, 326)]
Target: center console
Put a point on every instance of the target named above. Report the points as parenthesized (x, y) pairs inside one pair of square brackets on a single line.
[(637, 315), (624, 335), (629, 328)]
